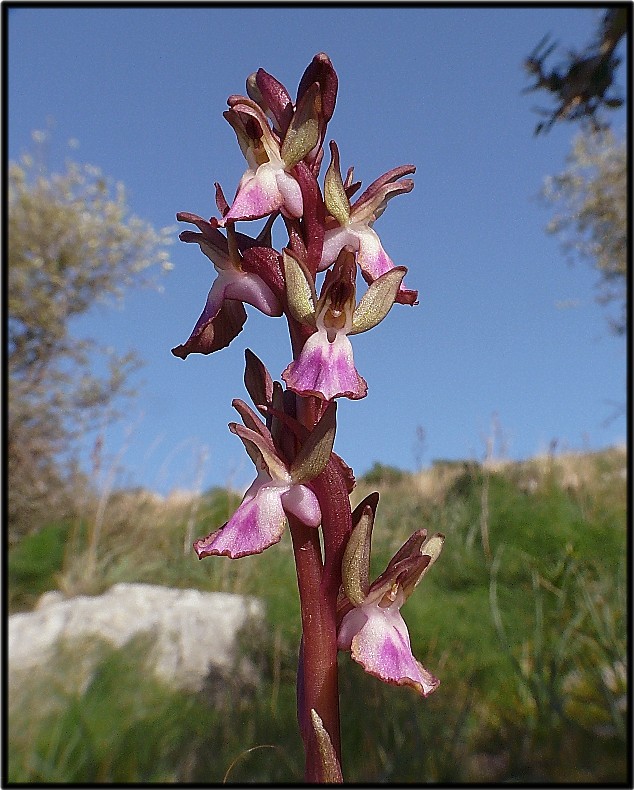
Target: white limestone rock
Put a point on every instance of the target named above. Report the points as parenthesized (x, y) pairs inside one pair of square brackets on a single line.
[(194, 634)]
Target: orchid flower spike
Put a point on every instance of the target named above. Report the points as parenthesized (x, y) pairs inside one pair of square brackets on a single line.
[(224, 315), (278, 489), (325, 367), (351, 225), (370, 623)]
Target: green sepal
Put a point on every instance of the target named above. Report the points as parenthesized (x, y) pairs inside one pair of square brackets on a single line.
[(315, 453), (377, 301), (335, 196), (300, 289), (355, 568), (244, 140), (303, 131)]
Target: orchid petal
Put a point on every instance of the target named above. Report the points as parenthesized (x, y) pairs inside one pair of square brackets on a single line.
[(258, 194), (375, 262), (335, 307), (257, 380), (334, 241), (265, 263), (263, 144), (374, 200), (250, 288), (262, 452), (301, 502), (272, 96), (215, 298), (410, 563), (321, 70), (373, 259), (289, 189), (211, 241), (250, 419)]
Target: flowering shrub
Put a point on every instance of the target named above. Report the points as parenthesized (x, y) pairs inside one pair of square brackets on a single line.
[(290, 437)]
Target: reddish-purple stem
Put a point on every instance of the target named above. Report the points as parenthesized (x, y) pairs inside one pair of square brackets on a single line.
[(319, 656), (318, 581)]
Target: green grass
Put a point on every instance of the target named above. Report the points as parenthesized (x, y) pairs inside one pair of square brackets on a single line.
[(529, 645), (35, 563)]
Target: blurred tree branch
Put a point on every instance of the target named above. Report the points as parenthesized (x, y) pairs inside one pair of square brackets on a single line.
[(592, 217), (71, 243), (580, 85)]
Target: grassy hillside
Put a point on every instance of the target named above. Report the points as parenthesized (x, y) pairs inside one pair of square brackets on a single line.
[(523, 618)]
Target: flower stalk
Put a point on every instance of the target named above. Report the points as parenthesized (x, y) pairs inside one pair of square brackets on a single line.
[(290, 435)]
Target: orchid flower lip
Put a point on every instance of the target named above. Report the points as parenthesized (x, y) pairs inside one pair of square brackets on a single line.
[(377, 638), (256, 525)]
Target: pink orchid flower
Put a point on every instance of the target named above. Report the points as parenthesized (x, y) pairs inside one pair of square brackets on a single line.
[(224, 315), (260, 519), (351, 225), (278, 490), (268, 184), (325, 367), (370, 623)]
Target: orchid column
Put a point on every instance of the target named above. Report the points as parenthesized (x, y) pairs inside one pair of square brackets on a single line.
[(290, 434)]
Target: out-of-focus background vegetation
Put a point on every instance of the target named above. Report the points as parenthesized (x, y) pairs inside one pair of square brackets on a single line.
[(523, 619)]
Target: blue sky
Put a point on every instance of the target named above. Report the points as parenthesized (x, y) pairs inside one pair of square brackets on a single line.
[(143, 91)]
